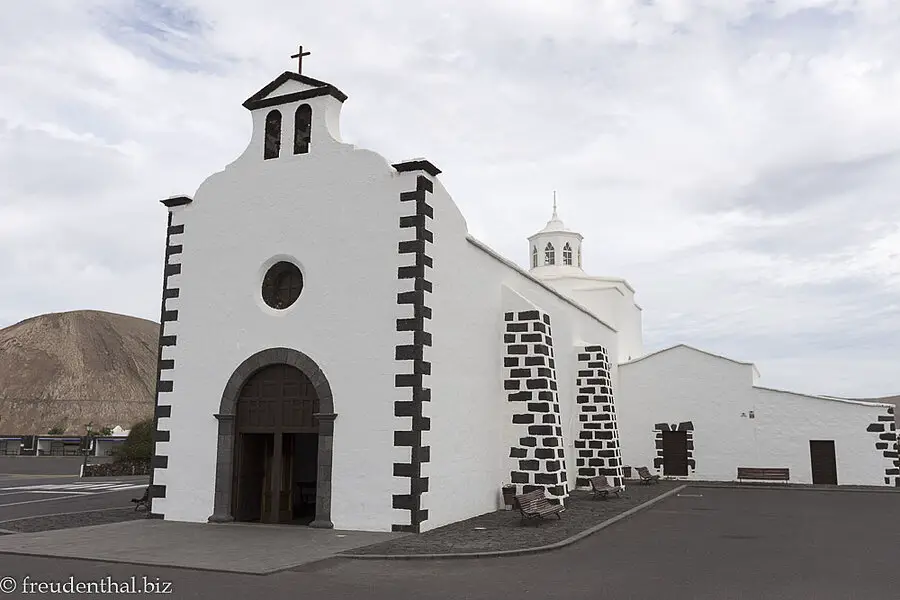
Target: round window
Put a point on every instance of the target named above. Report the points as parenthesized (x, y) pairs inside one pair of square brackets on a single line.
[(282, 285)]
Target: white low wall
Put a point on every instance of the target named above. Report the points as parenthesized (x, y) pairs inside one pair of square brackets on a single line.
[(735, 424)]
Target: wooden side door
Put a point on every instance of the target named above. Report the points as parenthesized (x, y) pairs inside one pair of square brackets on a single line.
[(266, 483), (249, 473), (286, 502), (823, 462), (675, 453)]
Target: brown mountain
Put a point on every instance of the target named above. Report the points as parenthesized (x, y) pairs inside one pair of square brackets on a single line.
[(72, 368)]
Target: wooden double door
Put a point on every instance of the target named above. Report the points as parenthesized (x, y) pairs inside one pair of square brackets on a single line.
[(276, 447)]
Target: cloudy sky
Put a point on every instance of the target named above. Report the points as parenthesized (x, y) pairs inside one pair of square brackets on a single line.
[(738, 161)]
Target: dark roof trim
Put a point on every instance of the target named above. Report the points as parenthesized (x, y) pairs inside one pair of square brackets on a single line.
[(177, 201), (417, 165), (259, 100)]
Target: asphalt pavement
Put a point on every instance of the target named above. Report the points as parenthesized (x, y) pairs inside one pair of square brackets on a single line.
[(38, 495), (702, 544)]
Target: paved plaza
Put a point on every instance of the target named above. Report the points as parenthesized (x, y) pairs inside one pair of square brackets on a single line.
[(233, 547), (703, 543)]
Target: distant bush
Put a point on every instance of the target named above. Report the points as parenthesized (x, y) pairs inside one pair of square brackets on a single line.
[(56, 430), (139, 444)]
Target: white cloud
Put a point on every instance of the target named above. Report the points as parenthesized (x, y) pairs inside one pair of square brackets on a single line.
[(736, 161)]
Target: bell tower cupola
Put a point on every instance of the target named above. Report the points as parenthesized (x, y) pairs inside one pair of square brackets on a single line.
[(294, 116), (555, 249)]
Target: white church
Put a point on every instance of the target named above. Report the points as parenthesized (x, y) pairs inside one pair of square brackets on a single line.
[(337, 351)]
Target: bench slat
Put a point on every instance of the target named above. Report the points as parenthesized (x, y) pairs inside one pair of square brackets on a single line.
[(535, 504), (762, 474)]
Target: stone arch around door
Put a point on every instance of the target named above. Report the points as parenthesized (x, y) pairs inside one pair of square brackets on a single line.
[(226, 418)]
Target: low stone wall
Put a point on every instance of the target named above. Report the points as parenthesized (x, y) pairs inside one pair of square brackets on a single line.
[(117, 469)]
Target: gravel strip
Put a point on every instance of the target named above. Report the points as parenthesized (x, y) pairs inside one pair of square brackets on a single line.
[(70, 520), (503, 529)]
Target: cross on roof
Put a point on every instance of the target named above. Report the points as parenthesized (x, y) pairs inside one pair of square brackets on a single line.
[(299, 56)]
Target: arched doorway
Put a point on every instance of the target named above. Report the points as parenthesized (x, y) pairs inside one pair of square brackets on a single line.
[(275, 441), (276, 447)]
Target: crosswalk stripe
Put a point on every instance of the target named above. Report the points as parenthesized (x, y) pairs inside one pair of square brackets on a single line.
[(74, 488), (66, 492)]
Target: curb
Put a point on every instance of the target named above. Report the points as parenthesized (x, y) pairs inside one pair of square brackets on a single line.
[(521, 551)]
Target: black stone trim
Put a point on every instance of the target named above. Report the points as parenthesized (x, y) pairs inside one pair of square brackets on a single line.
[(414, 367), (329, 90), (687, 426), (176, 201), (164, 386), (886, 445), (157, 491), (417, 165), (536, 455), (259, 100), (598, 427)]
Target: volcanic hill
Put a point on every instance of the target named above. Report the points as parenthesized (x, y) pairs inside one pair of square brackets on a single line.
[(72, 368)]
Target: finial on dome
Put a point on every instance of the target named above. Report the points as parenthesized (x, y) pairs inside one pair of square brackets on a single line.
[(554, 206)]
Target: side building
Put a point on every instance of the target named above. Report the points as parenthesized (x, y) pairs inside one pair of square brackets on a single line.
[(696, 415)]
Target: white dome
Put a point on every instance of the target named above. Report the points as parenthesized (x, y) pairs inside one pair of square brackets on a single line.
[(555, 249)]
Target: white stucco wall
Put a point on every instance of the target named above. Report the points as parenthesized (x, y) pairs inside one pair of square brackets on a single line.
[(611, 300), (335, 213), (470, 416), (717, 395)]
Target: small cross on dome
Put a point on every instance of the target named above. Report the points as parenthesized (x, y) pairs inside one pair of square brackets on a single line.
[(299, 56)]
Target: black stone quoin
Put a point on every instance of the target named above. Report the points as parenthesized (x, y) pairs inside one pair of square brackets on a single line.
[(167, 385), (416, 287), (536, 460)]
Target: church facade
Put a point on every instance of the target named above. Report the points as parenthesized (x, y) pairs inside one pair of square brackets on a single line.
[(337, 350)]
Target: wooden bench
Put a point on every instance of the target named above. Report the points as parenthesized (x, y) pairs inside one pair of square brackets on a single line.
[(758, 474), (602, 488), (535, 506), (646, 476), (143, 501)]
